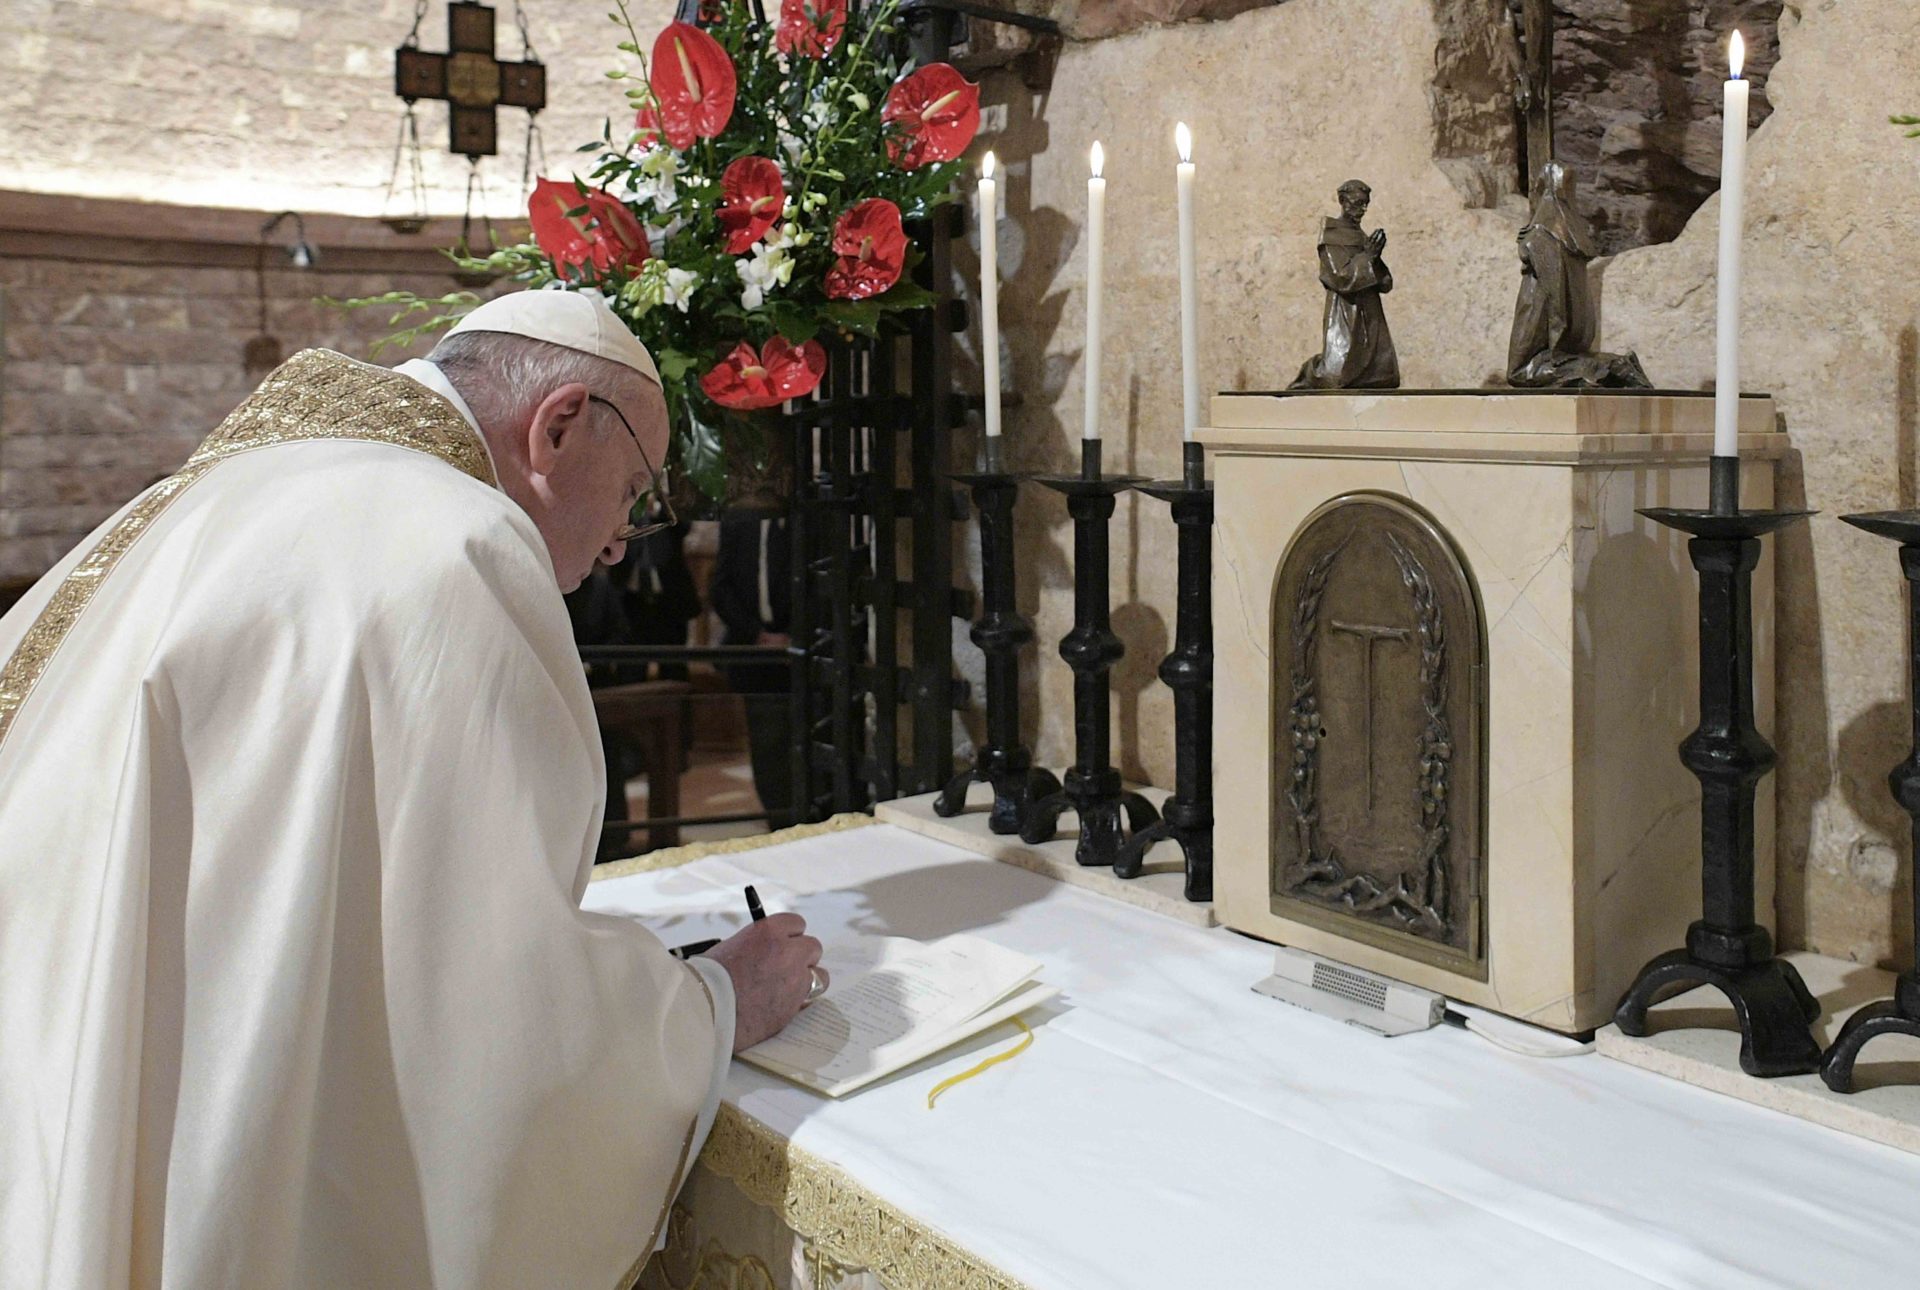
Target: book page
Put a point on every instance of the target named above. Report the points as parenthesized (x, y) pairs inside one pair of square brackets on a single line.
[(884, 1018)]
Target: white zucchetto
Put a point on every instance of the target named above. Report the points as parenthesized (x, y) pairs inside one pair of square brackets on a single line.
[(577, 320)]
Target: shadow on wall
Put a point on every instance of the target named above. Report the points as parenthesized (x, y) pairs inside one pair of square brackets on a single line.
[(1804, 773), (1874, 859)]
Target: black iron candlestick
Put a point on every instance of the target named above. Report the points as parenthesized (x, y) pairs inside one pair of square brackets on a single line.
[(1187, 816), (1091, 649), (1001, 633), (1899, 1015), (1726, 948)]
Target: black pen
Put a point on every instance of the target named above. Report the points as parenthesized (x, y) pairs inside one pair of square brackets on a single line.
[(755, 910)]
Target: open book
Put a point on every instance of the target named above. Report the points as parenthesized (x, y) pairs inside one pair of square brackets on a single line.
[(909, 1001)]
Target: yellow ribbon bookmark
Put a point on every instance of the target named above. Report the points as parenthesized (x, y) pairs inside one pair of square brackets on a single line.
[(995, 1060)]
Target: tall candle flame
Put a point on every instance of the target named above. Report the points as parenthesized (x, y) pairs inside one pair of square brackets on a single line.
[(1098, 157), (1736, 54), (1183, 140), (986, 167)]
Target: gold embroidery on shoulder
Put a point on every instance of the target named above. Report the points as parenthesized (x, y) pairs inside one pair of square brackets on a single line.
[(36, 649), (318, 394)]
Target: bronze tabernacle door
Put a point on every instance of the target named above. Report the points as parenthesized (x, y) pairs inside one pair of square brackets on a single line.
[(1379, 769)]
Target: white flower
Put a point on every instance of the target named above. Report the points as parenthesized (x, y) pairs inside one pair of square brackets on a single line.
[(680, 287), (658, 235), (658, 283), (652, 180), (818, 116), (770, 268)]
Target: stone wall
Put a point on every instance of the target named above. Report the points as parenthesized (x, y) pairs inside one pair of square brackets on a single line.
[(1636, 105), (1282, 112), (111, 373), (269, 104)]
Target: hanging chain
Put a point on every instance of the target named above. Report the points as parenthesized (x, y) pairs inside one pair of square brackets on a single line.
[(419, 15), (476, 184), (407, 149), (536, 147), (526, 41)]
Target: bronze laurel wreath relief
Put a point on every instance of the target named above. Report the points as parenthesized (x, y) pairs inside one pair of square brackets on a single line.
[(1417, 900)]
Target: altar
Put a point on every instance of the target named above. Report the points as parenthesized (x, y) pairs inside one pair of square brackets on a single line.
[(1170, 1127)]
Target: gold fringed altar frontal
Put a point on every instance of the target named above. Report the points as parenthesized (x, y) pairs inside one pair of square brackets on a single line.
[(315, 395), (845, 1221), (674, 857)]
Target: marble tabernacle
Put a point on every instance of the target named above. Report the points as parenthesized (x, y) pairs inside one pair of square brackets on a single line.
[(1452, 667)]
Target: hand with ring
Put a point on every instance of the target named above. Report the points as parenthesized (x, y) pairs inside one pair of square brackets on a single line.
[(774, 966)]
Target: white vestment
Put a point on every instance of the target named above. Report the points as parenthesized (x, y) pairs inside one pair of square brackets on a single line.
[(300, 787)]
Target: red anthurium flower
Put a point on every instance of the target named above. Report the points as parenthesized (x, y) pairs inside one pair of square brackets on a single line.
[(751, 199), (693, 84), (930, 116), (872, 248), (780, 371), (605, 234), (810, 27), (646, 123)]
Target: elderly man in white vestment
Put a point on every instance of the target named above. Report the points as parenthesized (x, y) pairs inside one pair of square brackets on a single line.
[(299, 791)]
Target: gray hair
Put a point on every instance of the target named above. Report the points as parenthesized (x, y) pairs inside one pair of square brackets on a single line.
[(504, 377)]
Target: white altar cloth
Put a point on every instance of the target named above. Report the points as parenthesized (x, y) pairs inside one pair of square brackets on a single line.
[(1169, 1127)]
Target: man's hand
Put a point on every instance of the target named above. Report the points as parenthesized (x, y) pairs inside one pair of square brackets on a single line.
[(770, 962), (1379, 240)]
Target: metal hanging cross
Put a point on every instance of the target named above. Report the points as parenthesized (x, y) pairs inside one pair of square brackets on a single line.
[(468, 76)]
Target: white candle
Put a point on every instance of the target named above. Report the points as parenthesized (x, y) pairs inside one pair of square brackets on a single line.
[(1096, 282), (1189, 335), (990, 295), (1733, 166)]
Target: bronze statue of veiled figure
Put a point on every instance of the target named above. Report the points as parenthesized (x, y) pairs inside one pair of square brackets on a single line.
[(1358, 349), (1555, 322)]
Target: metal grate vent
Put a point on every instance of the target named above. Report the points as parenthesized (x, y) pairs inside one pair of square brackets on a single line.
[(1367, 991)]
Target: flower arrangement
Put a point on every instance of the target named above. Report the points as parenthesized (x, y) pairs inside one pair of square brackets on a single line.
[(757, 204)]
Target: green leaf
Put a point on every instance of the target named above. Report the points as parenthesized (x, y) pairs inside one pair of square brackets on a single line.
[(703, 457), (795, 323), (906, 295), (675, 364), (862, 316)]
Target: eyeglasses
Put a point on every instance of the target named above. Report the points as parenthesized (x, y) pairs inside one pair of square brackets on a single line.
[(656, 486)]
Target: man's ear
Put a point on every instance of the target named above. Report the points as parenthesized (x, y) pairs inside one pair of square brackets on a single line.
[(559, 421)]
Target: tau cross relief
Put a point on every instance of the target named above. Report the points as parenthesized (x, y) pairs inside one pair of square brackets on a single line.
[(469, 78), (1370, 637), (1378, 647)]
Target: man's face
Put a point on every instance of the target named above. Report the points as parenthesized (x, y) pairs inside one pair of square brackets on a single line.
[(598, 472), (1353, 203)]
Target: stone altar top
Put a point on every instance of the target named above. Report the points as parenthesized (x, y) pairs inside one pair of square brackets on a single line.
[(1490, 424)]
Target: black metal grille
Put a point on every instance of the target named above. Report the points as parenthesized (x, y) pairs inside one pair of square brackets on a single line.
[(872, 455)]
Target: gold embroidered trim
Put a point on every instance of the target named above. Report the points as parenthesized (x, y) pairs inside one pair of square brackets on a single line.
[(674, 857), (318, 394), (76, 591), (827, 1208), (713, 1268)]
